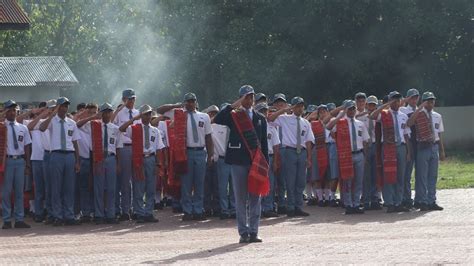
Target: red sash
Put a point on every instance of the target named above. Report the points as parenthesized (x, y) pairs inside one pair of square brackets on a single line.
[(424, 130), (97, 145), (389, 149), (180, 159), (344, 150), (3, 151), (321, 150), (258, 181), (173, 182), (378, 155), (137, 152)]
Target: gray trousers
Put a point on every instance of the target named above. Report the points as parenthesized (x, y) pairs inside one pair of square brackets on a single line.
[(370, 176), (427, 161), (14, 181), (145, 189), (294, 170), (353, 187), (247, 219), (123, 193), (105, 183)]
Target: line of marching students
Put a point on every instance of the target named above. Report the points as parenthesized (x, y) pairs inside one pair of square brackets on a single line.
[(103, 164)]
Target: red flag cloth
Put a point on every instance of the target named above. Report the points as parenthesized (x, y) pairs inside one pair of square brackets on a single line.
[(173, 182), (137, 152), (344, 151), (389, 149), (3, 152), (258, 181), (321, 150), (180, 159), (424, 129), (378, 155)]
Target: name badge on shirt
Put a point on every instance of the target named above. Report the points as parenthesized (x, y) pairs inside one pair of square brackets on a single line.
[(152, 139), (303, 132), (20, 138), (359, 132), (269, 136), (403, 126), (112, 141), (201, 124), (69, 133), (437, 125)]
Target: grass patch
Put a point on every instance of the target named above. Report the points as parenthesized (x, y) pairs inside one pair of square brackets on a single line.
[(457, 171)]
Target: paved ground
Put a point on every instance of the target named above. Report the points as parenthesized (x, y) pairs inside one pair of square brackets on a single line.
[(327, 236)]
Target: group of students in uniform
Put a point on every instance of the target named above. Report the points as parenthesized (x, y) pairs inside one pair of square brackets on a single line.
[(250, 158)]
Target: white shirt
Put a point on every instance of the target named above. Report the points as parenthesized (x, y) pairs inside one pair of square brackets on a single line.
[(122, 117), (163, 127), (366, 120), (203, 124), (220, 137), (156, 142), (84, 143), (437, 123), (272, 138), (402, 124), (288, 125), (407, 109), (361, 136), (37, 150), (22, 136), (113, 133), (71, 131)]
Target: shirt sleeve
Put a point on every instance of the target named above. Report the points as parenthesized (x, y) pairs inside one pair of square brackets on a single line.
[(310, 134), (275, 138), (27, 137), (278, 121), (365, 133), (441, 125), (75, 133), (159, 143), (207, 125), (86, 128)]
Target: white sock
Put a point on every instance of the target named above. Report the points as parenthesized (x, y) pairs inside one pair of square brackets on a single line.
[(158, 197), (327, 194), (319, 193), (308, 190), (32, 206), (332, 195)]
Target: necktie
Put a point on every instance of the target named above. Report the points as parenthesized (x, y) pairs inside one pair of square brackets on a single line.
[(147, 136), (398, 139), (353, 135), (106, 137), (15, 140), (371, 129), (298, 135), (130, 116), (63, 135), (194, 127)]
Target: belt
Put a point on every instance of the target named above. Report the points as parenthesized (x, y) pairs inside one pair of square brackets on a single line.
[(61, 151), (16, 157), (84, 158), (195, 148), (292, 148), (146, 155), (356, 152), (221, 157), (107, 154), (127, 144), (270, 155)]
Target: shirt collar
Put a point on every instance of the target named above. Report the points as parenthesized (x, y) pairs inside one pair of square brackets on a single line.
[(7, 122)]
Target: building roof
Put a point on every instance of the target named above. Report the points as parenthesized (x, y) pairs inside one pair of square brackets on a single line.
[(12, 17), (35, 71)]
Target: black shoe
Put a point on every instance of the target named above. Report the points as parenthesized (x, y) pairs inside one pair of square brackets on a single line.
[(232, 216), (98, 220), (150, 219), (244, 238), (282, 210), (7, 225), (366, 206), (187, 217), (375, 205), (112, 221), (424, 207), (177, 210), (349, 211), (199, 217), (290, 213), (38, 219), (408, 204), (255, 239), (140, 220), (417, 205), (208, 213), (435, 207), (22, 224), (134, 217), (86, 219), (72, 222), (402, 209), (301, 213), (224, 216), (158, 206), (333, 203), (216, 213), (49, 221), (321, 203), (358, 210), (311, 202), (391, 209), (58, 222), (124, 217), (270, 214)]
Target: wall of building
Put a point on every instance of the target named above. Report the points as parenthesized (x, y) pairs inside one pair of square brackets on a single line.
[(28, 94), (459, 126)]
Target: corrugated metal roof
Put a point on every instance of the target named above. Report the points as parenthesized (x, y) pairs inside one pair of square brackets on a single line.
[(12, 16), (34, 71)]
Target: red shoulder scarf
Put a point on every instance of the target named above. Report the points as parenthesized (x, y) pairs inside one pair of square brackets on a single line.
[(389, 148), (344, 151), (97, 144), (424, 129), (258, 182), (378, 155), (180, 159), (137, 152), (321, 150)]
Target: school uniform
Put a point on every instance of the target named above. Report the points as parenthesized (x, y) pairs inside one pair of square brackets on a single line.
[(370, 196), (273, 140), (18, 137), (407, 197), (84, 186)]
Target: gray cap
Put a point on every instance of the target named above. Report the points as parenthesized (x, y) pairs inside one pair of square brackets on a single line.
[(245, 90), (106, 106), (372, 99), (51, 103), (190, 97), (62, 100), (10, 104), (297, 100), (331, 106), (349, 104), (279, 96), (154, 114), (259, 96), (261, 106), (311, 108), (145, 109), (322, 106), (360, 95), (412, 92), (212, 108), (427, 95), (394, 94), (128, 93)]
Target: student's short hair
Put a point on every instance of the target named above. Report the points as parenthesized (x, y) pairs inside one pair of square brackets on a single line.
[(80, 106), (92, 106), (42, 104)]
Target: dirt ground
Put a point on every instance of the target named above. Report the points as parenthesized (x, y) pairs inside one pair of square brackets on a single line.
[(326, 237)]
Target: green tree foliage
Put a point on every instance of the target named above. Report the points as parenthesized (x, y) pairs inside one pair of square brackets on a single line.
[(321, 50)]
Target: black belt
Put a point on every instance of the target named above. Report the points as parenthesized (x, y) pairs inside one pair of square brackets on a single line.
[(195, 148), (221, 157), (15, 157), (270, 155), (149, 155), (127, 144), (292, 148), (107, 154), (356, 152), (61, 151)]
